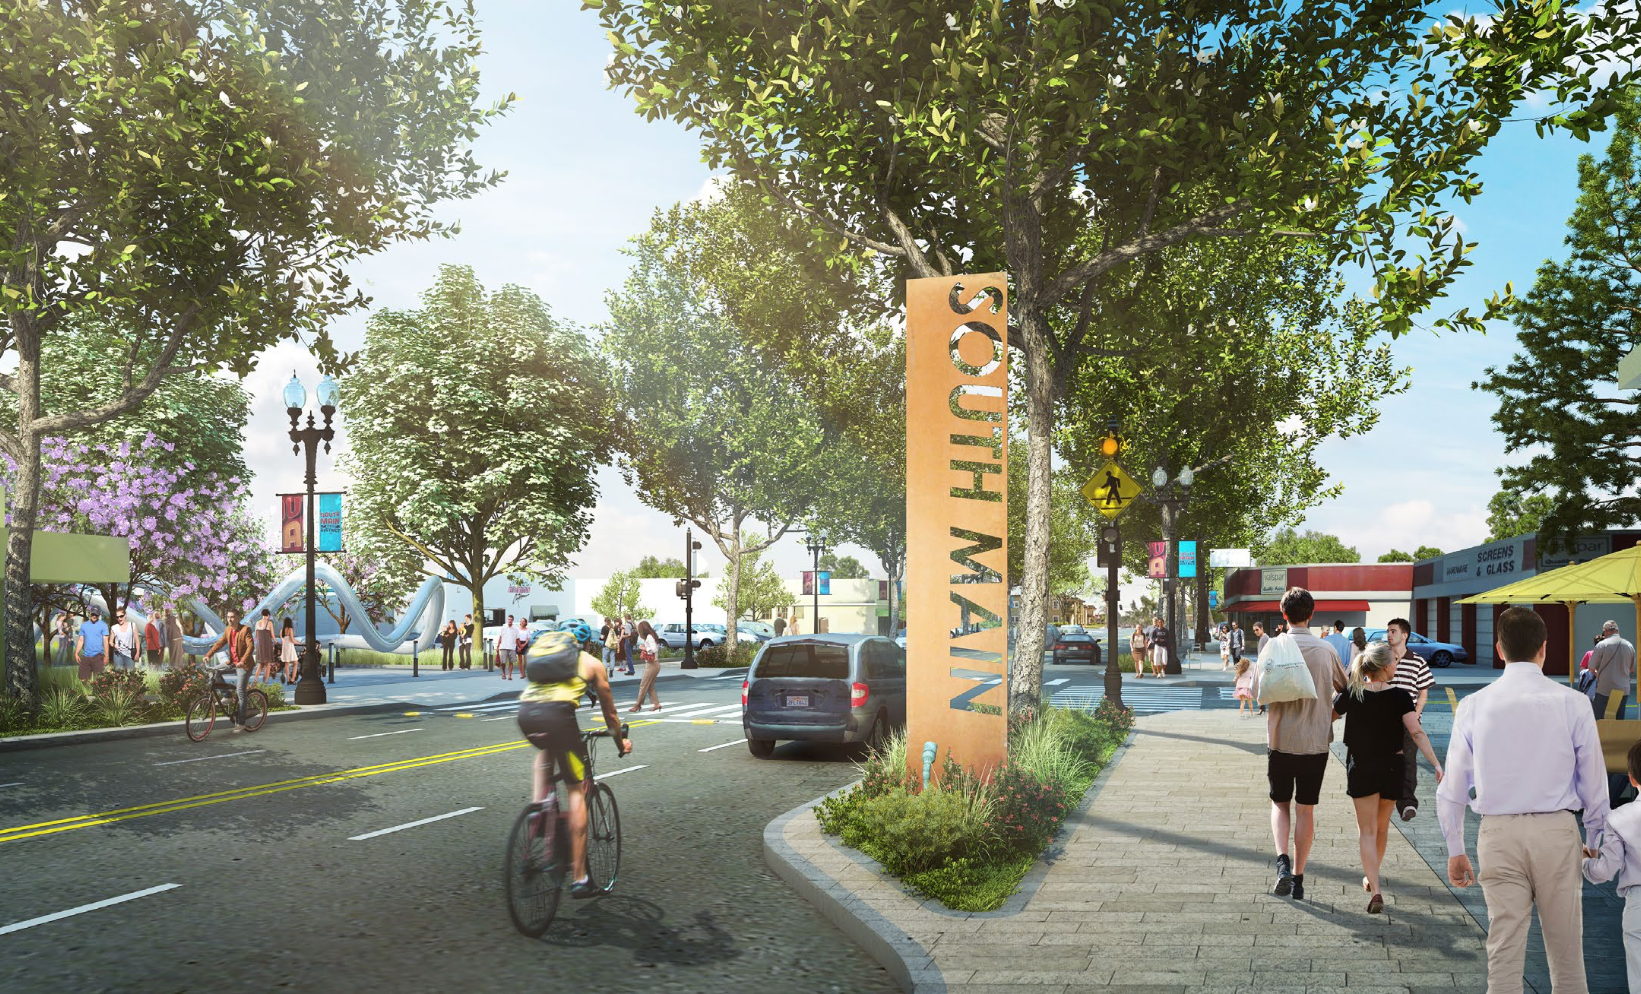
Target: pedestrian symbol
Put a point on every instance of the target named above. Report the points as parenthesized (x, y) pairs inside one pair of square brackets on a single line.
[(1111, 490)]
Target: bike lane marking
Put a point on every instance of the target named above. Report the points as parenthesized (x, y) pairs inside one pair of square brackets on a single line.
[(625, 769), (722, 745), (201, 759), (378, 735), (19, 832), (82, 909), (412, 824)]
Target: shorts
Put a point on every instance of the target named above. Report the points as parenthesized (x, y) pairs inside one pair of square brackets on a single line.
[(1159, 656), (1296, 778), (506, 656), (1369, 775), (551, 725)]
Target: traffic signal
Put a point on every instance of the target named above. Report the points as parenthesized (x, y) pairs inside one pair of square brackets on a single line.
[(684, 587), (1110, 445), (1110, 547)]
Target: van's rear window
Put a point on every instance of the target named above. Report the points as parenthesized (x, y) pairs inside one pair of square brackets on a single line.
[(815, 662)]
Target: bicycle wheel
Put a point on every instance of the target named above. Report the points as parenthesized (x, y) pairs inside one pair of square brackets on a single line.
[(202, 714), (256, 709), (534, 870), (603, 837)]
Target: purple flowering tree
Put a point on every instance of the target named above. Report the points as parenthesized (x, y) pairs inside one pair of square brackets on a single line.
[(190, 534)]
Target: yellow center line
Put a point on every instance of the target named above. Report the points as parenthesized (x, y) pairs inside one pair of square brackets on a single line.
[(1452, 698), (200, 800)]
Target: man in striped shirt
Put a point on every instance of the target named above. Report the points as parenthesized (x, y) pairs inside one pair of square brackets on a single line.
[(1413, 676)]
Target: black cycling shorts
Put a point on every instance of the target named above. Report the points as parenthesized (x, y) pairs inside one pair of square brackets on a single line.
[(1369, 775), (551, 725), (1296, 778)]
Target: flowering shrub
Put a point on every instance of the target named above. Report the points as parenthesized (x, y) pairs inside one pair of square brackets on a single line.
[(1118, 719), (112, 682), (179, 687), (1028, 810)]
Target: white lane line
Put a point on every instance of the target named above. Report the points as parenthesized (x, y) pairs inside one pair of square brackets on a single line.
[(201, 759), (378, 735), (614, 773), (680, 710), (724, 745), (19, 783), (82, 909), (503, 717), (719, 710), (732, 676), (1056, 683), (412, 824)]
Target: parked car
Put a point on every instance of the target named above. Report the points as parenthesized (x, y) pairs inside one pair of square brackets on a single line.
[(718, 634), (1075, 644), (823, 688), (671, 635), (763, 629), (1438, 654)]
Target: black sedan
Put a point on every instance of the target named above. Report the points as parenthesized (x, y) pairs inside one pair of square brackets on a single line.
[(1075, 645)]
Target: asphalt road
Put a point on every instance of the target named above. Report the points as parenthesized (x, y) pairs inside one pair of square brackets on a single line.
[(253, 834)]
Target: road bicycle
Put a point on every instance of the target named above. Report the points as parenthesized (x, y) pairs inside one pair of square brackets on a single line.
[(538, 848), (221, 696)]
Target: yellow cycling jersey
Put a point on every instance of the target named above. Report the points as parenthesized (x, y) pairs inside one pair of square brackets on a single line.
[(569, 691)]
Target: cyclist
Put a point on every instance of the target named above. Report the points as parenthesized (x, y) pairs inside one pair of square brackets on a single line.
[(559, 671), (236, 638)]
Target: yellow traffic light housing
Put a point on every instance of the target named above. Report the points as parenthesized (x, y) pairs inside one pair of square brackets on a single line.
[(1110, 445)]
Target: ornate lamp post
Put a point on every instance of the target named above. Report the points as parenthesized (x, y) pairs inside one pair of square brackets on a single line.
[(817, 547), (311, 688), (1170, 496)]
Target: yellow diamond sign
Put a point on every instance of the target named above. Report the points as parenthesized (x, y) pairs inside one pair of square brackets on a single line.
[(1111, 490)]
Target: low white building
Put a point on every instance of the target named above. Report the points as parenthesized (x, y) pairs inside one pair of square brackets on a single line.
[(503, 597)]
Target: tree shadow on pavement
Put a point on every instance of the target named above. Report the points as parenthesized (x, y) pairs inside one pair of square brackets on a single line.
[(1252, 748), (620, 921)]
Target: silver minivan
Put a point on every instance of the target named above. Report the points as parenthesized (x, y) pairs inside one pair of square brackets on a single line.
[(823, 688)]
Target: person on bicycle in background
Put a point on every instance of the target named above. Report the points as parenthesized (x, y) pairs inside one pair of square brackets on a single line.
[(559, 671), (236, 638)]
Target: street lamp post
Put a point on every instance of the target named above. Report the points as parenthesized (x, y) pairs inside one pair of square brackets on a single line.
[(1170, 496), (817, 547), (310, 689)]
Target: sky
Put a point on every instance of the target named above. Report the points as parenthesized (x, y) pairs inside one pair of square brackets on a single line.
[(585, 172)]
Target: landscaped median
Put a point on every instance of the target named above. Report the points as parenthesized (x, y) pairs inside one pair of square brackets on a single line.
[(970, 838)]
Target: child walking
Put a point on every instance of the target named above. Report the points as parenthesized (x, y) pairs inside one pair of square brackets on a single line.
[(1375, 715), (1619, 854), (1244, 688)]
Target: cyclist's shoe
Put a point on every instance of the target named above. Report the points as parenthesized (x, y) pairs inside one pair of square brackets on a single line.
[(584, 889)]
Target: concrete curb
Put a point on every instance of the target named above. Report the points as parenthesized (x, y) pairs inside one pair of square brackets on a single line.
[(906, 960), (46, 740)]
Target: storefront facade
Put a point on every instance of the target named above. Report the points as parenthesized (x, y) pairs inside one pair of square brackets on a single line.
[(1357, 594)]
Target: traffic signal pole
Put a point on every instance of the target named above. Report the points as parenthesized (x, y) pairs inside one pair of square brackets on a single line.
[(1110, 552), (690, 583)]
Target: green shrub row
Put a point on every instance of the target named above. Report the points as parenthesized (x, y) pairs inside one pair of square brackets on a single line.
[(112, 698), (970, 837)]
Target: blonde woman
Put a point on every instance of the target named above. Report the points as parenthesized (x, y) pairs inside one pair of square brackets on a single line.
[(1376, 714)]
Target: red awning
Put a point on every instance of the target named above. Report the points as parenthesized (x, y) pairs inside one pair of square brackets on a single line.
[(1275, 607)]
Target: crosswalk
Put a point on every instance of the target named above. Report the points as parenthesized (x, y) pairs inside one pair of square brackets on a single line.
[(1147, 700), (700, 712)]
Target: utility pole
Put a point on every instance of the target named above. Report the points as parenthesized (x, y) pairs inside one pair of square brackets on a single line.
[(686, 590), (1110, 556)]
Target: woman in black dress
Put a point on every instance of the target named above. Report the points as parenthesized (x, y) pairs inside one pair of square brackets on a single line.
[(447, 640), (1375, 715)]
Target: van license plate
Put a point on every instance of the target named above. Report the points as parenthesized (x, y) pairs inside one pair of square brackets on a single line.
[(797, 700)]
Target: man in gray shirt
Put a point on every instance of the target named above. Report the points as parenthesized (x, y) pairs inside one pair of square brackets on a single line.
[(1613, 663)]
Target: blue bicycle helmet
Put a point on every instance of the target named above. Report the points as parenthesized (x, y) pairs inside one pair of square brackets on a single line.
[(579, 629)]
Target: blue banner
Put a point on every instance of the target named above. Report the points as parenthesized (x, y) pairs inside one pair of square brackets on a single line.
[(330, 522), (1187, 557), (826, 582)]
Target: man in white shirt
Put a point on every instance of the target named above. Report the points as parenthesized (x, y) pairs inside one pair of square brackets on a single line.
[(1528, 747)]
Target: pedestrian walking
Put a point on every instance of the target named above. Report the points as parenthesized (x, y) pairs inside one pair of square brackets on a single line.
[(1138, 644), (1223, 636), (1261, 639), (1244, 688), (780, 626), (262, 639), (122, 642), (1525, 748), (1378, 716), (650, 648), (151, 642), (629, 641), (1340, 641), (1619, 854), (65, 638), (1412, 675), (521, 636), (91, 644), (1297, 734), (236, 638), (1358, 642), (608, 641), (287, 650), (1158, 639), (1237, 643), (466, 646), (173, 634), (1613, 663), (448, 637), (506, 649)]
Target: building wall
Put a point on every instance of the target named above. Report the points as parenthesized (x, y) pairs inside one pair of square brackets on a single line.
[(529, 599)]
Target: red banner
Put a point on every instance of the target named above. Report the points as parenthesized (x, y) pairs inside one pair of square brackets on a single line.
[(1159, 560), (291, 537)]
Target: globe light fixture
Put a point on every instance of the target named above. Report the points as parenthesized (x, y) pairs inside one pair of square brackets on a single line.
[(329, 393), (310, 689), (1159, 477), (296, 396)]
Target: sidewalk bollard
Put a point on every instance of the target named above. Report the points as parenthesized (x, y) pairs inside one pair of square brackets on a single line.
[(415, 662), (332, 648), (929, 753)]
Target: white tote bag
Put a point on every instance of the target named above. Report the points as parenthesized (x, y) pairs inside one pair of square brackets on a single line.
[(1283, 675)]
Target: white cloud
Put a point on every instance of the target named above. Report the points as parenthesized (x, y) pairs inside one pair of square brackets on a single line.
[(1408, 524)]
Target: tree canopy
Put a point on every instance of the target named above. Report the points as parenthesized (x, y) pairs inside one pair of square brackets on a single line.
[(619, 598), (1420, 554), (844, 567), (1511, 513), (652, 568), (1287, 547)]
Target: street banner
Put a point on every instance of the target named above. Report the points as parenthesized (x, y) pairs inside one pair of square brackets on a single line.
[(957, 520), (1159, 560), (1213, 599), (809, 583), (1187, 559), (883, 591), (330, 522), (826, 583), (291, 532), (1230, 559)]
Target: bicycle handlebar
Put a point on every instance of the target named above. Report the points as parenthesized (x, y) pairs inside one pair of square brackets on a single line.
[(604, 732)]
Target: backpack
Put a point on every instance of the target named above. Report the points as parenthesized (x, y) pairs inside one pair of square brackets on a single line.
[(1586, 683), (554, 657)]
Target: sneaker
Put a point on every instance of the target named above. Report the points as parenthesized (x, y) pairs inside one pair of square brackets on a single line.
[(1284, 877), (1409, 812), (583, 889), (1298, 886)]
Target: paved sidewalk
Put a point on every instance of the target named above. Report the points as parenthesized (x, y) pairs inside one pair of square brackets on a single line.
[(1162, 886)]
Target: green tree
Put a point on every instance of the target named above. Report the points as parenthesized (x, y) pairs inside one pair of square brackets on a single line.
[(651, 568), (1396, 556), (619, 597), (1059, 142), (709, 432), (201, 176), (1511, 513), (474, 433), (1558, 403), (1288, 547), (843, 568), (760, 594), (1420, 554), (1074, 528)]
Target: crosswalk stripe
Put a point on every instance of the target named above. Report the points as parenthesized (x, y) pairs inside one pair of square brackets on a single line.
[(1056, 683), (719, 710)]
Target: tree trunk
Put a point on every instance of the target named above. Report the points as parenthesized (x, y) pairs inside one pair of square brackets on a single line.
[(1025, 675), (477, 591), (1170, 590), (1203, 619), (25, 506), (896, 570), (733, 614)]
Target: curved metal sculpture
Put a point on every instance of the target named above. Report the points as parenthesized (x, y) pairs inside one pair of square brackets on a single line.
[(427, 602)]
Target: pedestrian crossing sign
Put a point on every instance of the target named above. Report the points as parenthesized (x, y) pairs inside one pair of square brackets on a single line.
[(1111, 490)]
